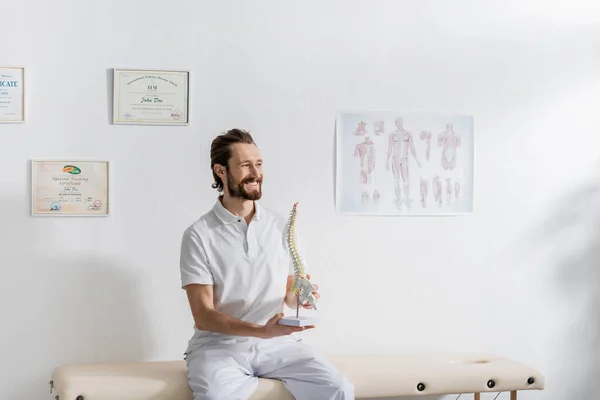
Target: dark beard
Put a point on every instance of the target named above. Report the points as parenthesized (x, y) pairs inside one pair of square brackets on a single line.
[(238, 191)]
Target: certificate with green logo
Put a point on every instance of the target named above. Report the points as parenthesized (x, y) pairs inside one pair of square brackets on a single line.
[(150, 97), (69, 188), (12, 94)]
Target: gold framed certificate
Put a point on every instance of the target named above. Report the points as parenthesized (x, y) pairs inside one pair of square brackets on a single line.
[(69, 187), (12, 94), (151, 97)]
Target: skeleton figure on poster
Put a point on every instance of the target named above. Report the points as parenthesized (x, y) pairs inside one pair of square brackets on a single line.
[(400, 143)]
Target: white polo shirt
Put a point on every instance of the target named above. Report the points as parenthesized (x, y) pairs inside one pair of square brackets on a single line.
[(248, 264)]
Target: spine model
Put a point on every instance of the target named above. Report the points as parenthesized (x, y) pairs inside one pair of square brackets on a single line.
[(301, 286), (291, 242)]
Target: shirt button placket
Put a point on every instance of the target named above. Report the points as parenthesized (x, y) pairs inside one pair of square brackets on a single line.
[(244, 233), (251, 242)]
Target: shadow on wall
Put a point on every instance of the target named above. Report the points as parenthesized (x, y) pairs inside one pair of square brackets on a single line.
[(60, 306), (572, 237)]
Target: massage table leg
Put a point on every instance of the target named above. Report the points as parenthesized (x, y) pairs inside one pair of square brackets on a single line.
[(513, 395)]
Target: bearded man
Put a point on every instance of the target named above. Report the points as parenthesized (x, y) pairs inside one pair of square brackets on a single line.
[(236, 270)]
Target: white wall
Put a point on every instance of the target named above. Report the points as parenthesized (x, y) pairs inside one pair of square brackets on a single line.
[(518, 277)]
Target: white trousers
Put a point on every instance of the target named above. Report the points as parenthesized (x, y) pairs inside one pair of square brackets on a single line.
[(229, 370)]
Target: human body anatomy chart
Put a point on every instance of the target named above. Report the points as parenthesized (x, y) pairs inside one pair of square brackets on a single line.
[(404, 163)]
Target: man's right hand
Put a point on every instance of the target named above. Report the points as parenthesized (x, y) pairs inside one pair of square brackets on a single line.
[(272, 329)]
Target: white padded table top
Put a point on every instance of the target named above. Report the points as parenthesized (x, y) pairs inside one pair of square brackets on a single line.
[(373, 376), (429, 374)]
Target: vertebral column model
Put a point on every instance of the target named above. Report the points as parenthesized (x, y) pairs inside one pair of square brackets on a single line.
[(400, 141), (449, 141), (366, 153), (302, 287)]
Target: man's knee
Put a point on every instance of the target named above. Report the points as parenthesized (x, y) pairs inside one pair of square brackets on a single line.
[(236, 389), (207, 396), (344, 387), (338, 385), (205, 390), (232, 384)]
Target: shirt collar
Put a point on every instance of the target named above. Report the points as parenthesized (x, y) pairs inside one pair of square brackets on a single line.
[(227, 217)]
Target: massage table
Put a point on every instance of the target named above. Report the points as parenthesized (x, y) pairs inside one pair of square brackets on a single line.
[(373, 376)]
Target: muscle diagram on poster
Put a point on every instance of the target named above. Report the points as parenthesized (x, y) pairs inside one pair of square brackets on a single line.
[(404, 163)]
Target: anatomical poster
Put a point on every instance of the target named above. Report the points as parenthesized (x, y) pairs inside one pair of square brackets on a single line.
[(404, 163)]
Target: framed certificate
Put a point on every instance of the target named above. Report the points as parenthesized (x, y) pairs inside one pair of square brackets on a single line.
[(151, 97), (12, 94), (69, 187)]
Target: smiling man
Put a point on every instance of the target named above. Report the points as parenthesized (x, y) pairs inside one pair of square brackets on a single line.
[(236, 270)]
